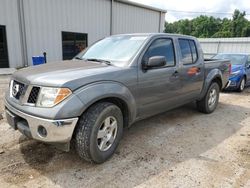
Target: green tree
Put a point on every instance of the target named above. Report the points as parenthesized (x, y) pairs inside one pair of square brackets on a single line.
[(170, 28), (239, 22), (208, 26), (246, 31), (184, 27), (221, 34), (205, 26)]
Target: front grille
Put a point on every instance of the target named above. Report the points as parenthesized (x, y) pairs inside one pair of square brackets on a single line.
[(33, 95), (18, 89)]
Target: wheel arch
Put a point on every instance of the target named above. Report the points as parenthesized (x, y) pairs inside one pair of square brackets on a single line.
[(118, 102), (245, 76), (112, 92), (213, 76), (218, 80)]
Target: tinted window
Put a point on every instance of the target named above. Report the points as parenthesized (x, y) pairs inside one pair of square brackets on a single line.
[(188, 51), (72, 44), (185, 51), (193, 50), (162, 47)]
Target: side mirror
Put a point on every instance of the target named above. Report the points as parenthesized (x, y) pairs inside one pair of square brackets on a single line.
[(155, 61)]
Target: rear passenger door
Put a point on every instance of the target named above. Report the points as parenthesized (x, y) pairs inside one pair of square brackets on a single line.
[(191, 70)]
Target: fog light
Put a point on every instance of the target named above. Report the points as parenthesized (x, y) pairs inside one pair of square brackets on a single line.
[(42, 131)]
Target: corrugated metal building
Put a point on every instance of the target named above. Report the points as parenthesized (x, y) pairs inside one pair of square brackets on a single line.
[(212, 46), (64, 27)]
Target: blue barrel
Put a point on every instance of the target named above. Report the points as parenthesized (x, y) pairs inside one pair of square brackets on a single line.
[(38, 60)]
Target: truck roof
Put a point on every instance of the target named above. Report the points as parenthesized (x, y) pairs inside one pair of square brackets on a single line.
[(156, 34)]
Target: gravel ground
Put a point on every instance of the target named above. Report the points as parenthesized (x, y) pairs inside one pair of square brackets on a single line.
[(180, 148), (4, 81)]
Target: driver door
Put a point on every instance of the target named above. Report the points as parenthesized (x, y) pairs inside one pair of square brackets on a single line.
[(158, 88)]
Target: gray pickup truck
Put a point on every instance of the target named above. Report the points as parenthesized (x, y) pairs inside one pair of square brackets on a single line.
[(88, 101)]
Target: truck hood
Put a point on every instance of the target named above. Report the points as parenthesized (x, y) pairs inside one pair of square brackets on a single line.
[(70, 74)]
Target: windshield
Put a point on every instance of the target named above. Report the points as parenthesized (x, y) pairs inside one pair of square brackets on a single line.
[(116, 49), (236, 59)]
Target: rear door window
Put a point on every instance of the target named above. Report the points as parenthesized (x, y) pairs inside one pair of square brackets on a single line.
[(188, 51), (193, 50)]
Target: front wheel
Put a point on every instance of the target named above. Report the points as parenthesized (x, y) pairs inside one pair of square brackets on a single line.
[(98, 132), (210, 101), (242, 84)]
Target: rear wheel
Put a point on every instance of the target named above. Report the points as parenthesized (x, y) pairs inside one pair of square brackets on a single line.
[(242, 84), (210, 101), (98, 132)]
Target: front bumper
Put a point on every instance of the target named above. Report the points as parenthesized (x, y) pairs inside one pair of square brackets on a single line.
[(234, 82), (57, 131)]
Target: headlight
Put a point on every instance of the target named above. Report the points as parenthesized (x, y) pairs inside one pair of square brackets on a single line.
[(49, 97), (235, 73)]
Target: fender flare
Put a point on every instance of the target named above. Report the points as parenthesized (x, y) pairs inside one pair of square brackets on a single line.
[(97, 91), (212, 75)]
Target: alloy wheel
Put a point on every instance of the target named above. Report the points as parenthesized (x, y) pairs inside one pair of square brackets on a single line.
[(107, 133), (212, 98)]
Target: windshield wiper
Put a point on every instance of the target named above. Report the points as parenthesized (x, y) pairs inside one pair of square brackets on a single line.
[(100, 61)]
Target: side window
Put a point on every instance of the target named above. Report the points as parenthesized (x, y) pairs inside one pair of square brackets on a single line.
[(188, 51), (185, 51), (162, 47), (193, 50)]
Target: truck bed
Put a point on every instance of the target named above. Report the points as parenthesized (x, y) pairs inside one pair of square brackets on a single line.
[(223, 65)]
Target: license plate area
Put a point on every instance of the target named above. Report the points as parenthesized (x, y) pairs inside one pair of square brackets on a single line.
[(11, 119)]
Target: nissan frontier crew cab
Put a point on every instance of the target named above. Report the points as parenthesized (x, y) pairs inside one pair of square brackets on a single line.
[(88, 101)]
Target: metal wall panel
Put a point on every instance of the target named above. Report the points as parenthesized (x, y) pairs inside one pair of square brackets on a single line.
[(162, 21), (131, 19), (213, 46), (9, 18), (46, 19), (36, 26)]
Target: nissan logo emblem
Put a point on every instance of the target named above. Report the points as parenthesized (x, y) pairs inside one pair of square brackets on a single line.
[(15, 90)]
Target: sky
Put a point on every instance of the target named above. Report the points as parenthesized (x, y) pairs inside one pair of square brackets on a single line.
[(221, 6)]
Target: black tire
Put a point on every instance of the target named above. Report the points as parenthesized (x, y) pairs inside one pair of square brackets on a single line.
[(242, 85), (85, 135), (203, 105)]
